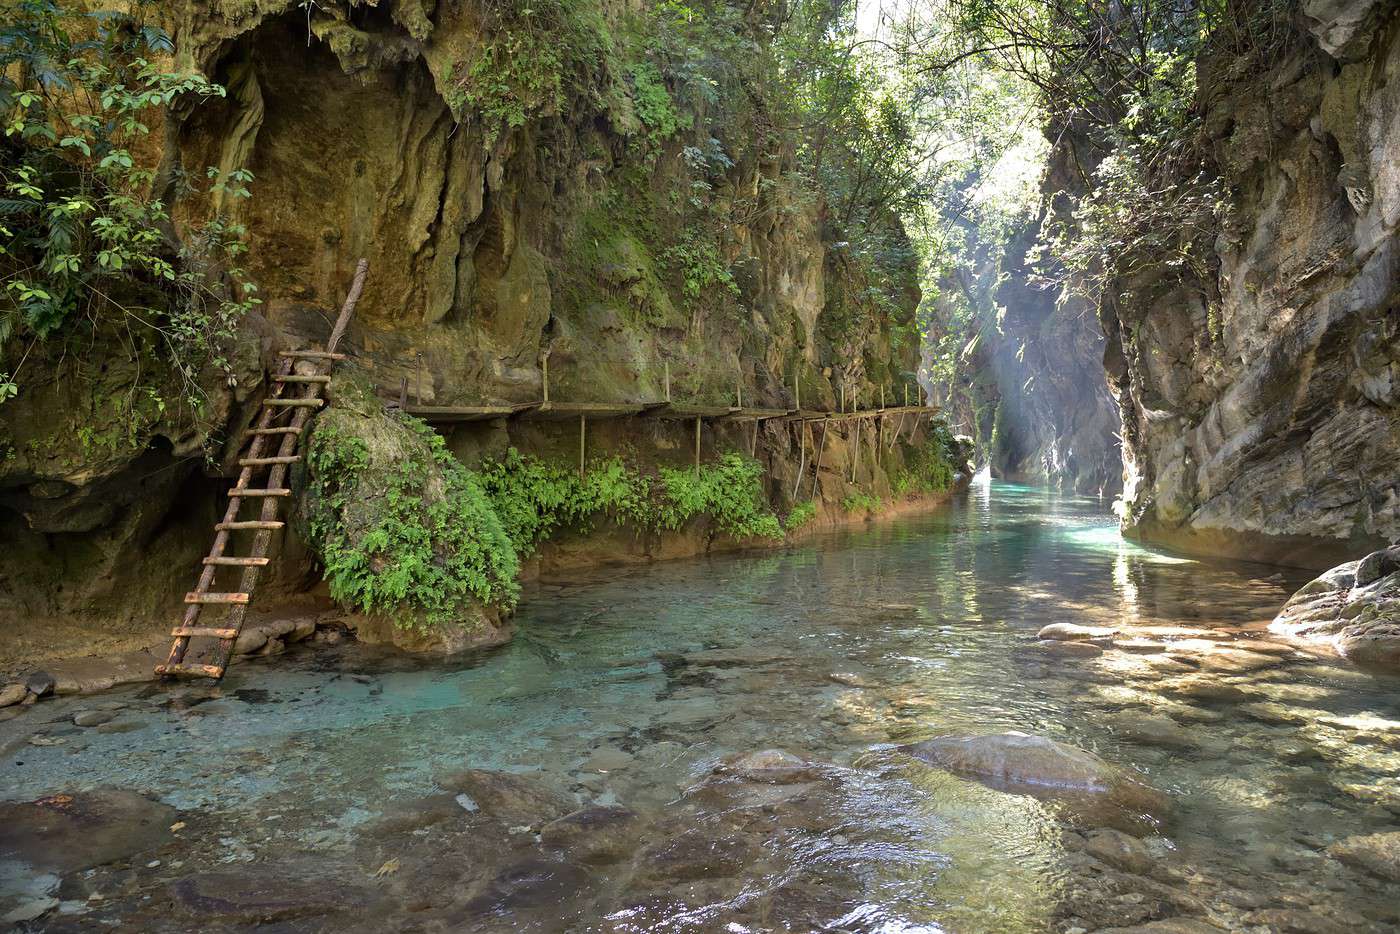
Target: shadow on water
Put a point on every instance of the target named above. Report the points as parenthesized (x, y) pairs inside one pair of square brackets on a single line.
[(343, 769)]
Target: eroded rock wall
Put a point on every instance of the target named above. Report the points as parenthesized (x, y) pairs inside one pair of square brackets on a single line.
[(1261, 405), (567, 237)]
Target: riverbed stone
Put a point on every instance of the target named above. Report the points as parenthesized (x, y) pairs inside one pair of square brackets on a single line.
[(1377, 853), (596, 834), (264, 893), (93, 717), (607, 759), (68, 832), (1152, 729), (40, 683), (12, 694), (1042, 767), (1073, 632), (774, 766), (1066, 648), (1120, 850), (507, 796)]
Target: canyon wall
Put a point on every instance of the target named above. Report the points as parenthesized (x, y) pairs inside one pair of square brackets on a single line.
[(624, 229), (1261, 400)]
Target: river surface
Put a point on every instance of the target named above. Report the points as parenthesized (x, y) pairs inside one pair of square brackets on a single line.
[(324, 789)]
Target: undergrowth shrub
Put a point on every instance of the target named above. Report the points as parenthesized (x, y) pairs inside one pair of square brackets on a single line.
[(729, 492), (930, 468)]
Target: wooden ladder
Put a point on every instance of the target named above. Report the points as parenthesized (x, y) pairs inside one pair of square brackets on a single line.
[(295, 393)]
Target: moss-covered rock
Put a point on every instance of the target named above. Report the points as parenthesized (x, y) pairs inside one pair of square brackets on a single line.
[(405, 532)]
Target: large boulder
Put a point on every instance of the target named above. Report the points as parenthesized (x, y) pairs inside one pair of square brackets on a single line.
[(1353, 609), (1377, 852), (1096, 790), (408, 539)]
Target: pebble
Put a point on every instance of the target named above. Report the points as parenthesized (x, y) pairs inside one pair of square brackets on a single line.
[(93, 717), (40, 683), (1071, 632)]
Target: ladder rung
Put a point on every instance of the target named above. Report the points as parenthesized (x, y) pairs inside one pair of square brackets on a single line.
[(313, 354), (250, 491), (239, 562), (193, 631), (228, 599), (295, 403), (248, 524), (284, 430), (292, 378), (264, 461), (191, 670)]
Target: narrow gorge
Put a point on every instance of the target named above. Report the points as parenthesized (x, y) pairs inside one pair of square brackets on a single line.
[(697, 466)]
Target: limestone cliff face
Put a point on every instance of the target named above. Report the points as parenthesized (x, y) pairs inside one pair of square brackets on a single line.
[(572, 234), (1261, 404)]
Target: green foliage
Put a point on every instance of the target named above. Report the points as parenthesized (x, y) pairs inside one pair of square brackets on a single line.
[(860, 501), (434, 542), (535, 53), (653, 103), (81, 234), (697, 261), (930, 467), (534, 498), (729, 492), (801, 514)]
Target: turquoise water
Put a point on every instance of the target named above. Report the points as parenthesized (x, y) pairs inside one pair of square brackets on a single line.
[(836, 651)]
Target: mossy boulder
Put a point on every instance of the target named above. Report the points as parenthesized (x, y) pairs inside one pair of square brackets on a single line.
[(405, 533)]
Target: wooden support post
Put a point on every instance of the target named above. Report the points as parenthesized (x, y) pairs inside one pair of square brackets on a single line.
[(797, 391), (843, 396), (697, 444), (906, 395), (882, 395), (582, 432), (753, 443), (855, 452), (668, 380), (403, 392), (816, 472), (739, 392), (544, 377), (802, 456), (418, 391)]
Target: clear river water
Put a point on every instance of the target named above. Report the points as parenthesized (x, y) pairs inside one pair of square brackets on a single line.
[(327, 789)]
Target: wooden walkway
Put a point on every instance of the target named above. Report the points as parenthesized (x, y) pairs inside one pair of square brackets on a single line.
[(559, 411)]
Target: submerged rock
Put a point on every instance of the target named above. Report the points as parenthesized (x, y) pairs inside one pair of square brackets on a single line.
[(1378, 853), (1071, 632), (1042, 767), (1353, 609), (508, 797), (775, 766), (263, 893), (602, 833), (65, 833)]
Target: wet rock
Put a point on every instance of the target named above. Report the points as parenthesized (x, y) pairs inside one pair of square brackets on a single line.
[(607, 759), (9, 713), (1140, 646), (94, 675), (1071, 632), (1204, 688), (93, 717), (506, 796), (12, 694), (1293, 921), (530, 884), (1039, 766), (264, 893), (599, 834), (1167, 926), (691, 855), (691, 711), (1066, 649), (30, 909), (401, 817), (849, 679), (774, 766), (739, 657), (1353, 609), (40, 683), (1377, 853), (1152, 729), (65, 833), (1120, 850), (123, 726)]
